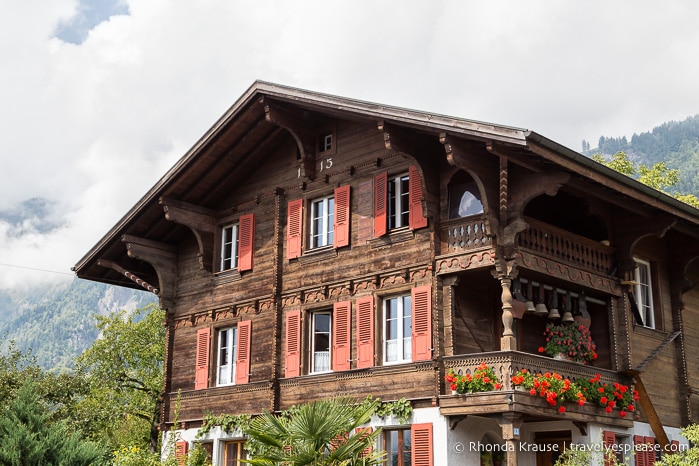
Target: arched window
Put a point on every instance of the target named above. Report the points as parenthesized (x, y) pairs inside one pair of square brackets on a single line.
[(464, 196)]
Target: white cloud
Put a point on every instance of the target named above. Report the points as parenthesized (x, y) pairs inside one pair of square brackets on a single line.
[(92, 126)]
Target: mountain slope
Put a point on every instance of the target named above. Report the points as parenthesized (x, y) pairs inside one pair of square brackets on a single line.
[(675, 143), (57, 321)]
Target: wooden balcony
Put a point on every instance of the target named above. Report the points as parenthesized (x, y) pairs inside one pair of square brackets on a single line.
[(549, 241), (464, 243), (508, 400)]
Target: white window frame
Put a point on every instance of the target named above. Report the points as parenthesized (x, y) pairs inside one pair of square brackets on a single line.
[(398, 349), (226, 354), (398, 201), (643, 292), (230, 236), (322, 222), (320, 361)]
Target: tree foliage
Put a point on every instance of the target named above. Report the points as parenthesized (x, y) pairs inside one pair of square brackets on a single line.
[(318, 433), (30, 435), (689, 457), (659, 176), (124, 369)]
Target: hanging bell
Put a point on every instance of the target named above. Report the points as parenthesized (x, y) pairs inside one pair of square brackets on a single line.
[(530, 298), (567, 314), (540, 308), (553, 312)]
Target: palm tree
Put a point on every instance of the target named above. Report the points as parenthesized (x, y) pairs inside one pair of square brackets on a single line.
[(320, 433)]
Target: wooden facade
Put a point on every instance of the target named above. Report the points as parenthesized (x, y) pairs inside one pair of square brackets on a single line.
[(302, 226)]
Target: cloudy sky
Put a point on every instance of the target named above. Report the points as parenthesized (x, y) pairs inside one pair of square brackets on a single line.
[(98, 98)]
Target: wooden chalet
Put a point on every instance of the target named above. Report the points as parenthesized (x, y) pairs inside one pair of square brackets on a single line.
[(310, 245)]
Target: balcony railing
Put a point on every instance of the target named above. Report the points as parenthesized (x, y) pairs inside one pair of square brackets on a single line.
[(469, 233), (464, 234), (550, 241), (506, 364)]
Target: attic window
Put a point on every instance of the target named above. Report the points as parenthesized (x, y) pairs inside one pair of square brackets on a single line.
[(464, 197), (325, 142)]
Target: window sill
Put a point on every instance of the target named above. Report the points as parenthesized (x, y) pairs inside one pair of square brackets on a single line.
[(393, 237), (227, 276), (319, 254)]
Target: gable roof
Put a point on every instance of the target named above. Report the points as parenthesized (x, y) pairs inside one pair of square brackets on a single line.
[(227, 150)]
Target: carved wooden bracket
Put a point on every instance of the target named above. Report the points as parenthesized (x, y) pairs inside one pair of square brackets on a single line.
[(629, 230), (683, 252), (200, 220), (400, 140), (464, 155), (301, 126), (162, 257)]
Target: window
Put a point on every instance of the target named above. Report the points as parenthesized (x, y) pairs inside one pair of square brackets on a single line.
[(398, 202), (233, 453), (322, 222), (398, 447), (325, 142), (398, 210), (237, 244), (408, 446), (405, 326), (227, 355), (329, 223), (229, 247), (232, 355), (464, 196), (643, 291), (320, 341), (397, 329)]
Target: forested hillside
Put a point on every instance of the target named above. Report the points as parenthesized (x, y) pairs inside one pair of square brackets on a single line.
[(675, 143), (57, 321)]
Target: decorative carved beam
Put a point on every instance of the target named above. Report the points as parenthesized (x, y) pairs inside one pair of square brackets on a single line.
[(301, 126), (162, 257), (200, 220), (122, 271)]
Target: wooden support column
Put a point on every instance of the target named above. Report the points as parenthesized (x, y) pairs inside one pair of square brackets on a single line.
[(505, 271), (510, 423)]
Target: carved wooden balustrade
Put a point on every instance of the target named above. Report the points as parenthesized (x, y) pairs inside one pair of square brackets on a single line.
[(505, 364), (464, 234), (549, 241)]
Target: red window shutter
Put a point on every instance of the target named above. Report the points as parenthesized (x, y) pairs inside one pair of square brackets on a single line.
[(640, 449), (650, 450), (365, 332), (201, 359), (417, 218), (364, 431), (342, 344), (422, 323), (380, 201), (246, 242), (608, 440), (342, 216), (181, 452), (422, 444), (242, 363), (294, 229), (293, 344)]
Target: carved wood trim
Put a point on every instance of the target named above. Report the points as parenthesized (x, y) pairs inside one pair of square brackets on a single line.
[(162, 257), (121, 270), (301, 125), (201, 221)]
